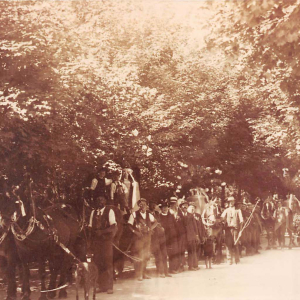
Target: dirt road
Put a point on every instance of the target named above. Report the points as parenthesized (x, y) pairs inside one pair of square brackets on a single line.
[(271, 275)]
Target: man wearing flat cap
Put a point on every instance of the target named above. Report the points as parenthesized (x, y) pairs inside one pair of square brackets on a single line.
[(188, 236), (233, 223), (142, 224), (182, 233), (158, 243), (168, 222)]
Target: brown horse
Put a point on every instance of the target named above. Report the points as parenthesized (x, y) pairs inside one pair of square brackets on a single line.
[(35, 237)]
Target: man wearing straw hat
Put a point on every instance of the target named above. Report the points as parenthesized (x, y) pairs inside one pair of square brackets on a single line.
[(233, 223)]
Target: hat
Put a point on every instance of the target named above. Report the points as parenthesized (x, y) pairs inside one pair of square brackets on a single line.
[(192, 204), (183, 203), (163, 203), (142, 200), (173, 200), (230, 199)]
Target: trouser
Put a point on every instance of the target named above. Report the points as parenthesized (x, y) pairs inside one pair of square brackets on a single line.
[(172, 249), (159, 249), (269, 226), (231, 235), (280, 232), (103, 257), (142, 251), (182, 249), (192, 255)]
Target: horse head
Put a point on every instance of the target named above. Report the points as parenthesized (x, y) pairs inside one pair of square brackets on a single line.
[(267, 210), (293, 204), (11, 207)]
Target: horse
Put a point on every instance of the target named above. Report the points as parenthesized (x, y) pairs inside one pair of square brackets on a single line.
[(292, 206), (267, 213), (37, 234), (199, 198), (211, 218), (250, 238), (9, 259)]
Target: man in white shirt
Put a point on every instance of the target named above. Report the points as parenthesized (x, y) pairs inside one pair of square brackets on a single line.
[(233, 222), (104, 227), (142, 223)]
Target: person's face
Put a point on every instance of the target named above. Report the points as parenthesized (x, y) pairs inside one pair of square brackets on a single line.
[(173, 206), (164, 209), (152, 206), (184, 208), (143, 206), (218, 201), (117, 177), (192, 208), (231, 204), (102, 174), (102, 202)]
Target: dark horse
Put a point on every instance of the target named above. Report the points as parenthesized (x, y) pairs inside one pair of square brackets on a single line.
[(35, 235)]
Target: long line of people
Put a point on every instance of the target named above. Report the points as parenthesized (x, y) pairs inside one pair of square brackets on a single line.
[(174, 233)]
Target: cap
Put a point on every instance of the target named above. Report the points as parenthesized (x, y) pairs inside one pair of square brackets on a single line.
[(183, 203), (192, 204), (173, 200), (163, 203), (230, 199), (142, 200)]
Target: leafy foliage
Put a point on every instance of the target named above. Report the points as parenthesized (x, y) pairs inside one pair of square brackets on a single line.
[(156, 88)]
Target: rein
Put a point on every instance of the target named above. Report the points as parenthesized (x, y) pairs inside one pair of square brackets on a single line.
[(247, 223), (4, 235)]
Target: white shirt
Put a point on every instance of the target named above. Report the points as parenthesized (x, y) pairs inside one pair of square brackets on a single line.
[(114, 187), (173, 212), (95, 182), (144, 215), (233, 216), (111, 216)]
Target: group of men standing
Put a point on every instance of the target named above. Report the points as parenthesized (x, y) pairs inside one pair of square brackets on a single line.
[(176, 229), (168, 229)]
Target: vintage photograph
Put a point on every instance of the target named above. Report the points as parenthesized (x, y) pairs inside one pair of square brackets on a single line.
[(149, 149)]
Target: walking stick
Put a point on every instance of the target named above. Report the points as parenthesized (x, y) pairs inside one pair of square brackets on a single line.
[(246, 223)]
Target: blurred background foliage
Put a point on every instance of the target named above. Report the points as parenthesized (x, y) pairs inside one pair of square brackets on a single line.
[(175, 89)]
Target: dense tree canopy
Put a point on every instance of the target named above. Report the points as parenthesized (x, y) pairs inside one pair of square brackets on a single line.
[(174, 89)]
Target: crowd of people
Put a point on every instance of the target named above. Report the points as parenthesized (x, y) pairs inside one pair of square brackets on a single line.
[(176, 231), (173, 231)]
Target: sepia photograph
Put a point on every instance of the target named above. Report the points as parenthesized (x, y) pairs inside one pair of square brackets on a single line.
[(149, 149)]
